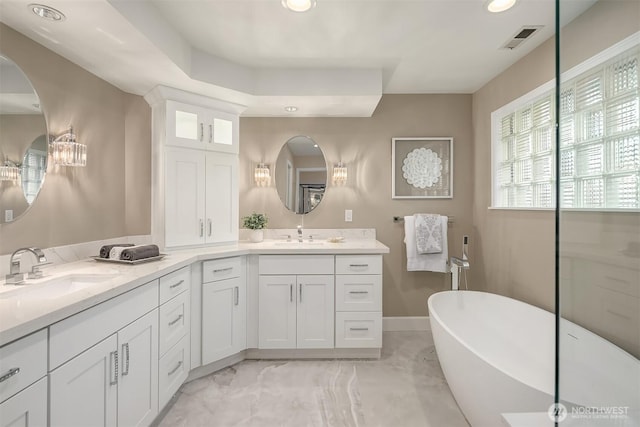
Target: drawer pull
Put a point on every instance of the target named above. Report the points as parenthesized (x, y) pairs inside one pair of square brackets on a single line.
[(125, 350), (177, 319), (291, 292), (210, 134), (236, 295), (358, 265), (359, 329), (300, 292), (201, 131), (220, 270), (113, 358), (173, 371), (358, 292), (176, 284), (11, 372)]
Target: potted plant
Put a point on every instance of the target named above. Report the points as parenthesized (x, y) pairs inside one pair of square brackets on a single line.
[(256, 223)]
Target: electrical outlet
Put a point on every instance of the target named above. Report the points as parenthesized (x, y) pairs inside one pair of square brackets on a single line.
[(348, 215), (8, 215)]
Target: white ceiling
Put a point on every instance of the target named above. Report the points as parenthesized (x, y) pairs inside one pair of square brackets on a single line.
[(335, 60)]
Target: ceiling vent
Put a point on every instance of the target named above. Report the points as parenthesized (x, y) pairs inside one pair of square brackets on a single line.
[(523, 34)]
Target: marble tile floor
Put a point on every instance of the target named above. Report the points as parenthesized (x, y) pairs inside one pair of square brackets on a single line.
[(405, 388)]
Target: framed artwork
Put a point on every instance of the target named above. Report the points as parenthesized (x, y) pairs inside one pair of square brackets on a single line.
[(422, 168)]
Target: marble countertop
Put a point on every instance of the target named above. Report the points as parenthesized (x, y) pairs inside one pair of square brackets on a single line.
[(69, 288)]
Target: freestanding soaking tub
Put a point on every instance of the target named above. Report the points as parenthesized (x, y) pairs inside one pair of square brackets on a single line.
[(497, 355)]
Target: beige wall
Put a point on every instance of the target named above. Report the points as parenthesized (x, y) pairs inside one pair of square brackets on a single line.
[(513, 251), (83, 204), (365, 145)]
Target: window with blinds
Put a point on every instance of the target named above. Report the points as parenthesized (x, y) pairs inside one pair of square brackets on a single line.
[(599, 157)]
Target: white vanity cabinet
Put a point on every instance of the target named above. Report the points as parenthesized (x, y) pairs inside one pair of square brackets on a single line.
[(104, 363), (358, 301), (23, 382), (193, 126), (224, 308), (296, 302)]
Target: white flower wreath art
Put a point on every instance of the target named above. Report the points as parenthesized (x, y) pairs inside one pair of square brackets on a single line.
[(422, 168)]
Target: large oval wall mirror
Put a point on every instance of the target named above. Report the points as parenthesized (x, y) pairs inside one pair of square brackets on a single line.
[(301, 174), (23, 142)]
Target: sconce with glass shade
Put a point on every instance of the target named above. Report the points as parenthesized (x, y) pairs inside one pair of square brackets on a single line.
[(262, 175), (67, 151), (9, 171), (340, 173)]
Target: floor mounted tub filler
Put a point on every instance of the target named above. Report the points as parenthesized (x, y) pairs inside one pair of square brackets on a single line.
[(497, 354)]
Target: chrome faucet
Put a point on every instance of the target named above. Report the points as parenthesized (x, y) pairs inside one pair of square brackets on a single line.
[(460, 262), (15, 277), (300, 233)]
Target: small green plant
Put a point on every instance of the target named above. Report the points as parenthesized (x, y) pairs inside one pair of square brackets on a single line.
[(255, 221)]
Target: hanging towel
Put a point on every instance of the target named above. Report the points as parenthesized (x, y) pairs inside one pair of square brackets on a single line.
[(428, 233), (425, 262)]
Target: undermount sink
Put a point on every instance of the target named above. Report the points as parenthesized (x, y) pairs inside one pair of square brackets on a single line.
[(55, 287)]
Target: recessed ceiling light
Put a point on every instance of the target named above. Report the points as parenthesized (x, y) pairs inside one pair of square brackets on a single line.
[(291, 108), (299, 5), (47, 12), (497, 6)]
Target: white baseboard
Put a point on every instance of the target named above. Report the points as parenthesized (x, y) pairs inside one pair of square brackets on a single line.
[(396, 324)]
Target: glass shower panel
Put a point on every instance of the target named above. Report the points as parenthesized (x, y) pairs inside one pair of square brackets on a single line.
[(598, 193)]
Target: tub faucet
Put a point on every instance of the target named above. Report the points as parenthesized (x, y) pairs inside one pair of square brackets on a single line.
[(300, 234), (15, 277)]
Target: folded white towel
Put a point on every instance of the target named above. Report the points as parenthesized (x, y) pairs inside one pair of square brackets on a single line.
[(116, 251), (428, 233), (425, 262)]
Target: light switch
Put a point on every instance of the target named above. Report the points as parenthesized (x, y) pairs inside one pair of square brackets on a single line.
[(348, 215), (8, 215)]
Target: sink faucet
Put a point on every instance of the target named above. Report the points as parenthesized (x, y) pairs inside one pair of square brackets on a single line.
[(15, 277), (300, 233)]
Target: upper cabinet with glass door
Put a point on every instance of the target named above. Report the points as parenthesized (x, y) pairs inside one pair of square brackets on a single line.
[(202, 128)]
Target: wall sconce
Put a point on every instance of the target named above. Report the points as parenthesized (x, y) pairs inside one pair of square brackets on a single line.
[(66, 151), (9, 171), (340, 173), (262, 175)]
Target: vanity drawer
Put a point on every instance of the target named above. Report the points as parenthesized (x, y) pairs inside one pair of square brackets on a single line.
[(358, 264), (173, 370), (296, 264), (22, 363), (359, 292), (359, 330), (174, 283), (219, 269), (174, 321)]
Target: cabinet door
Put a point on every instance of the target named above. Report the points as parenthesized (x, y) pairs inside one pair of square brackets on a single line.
[(315, 311), (221, 198), (138, 382), (223, 319), (83, 391), (221, 131), (277, 312), (27, 408), (184, 197), (186, 125)]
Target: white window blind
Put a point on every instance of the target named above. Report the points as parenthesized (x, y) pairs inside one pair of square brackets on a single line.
[(599, 155)]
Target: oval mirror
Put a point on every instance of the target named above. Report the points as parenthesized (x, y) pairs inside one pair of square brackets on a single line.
[(301, 174), (23, 142)]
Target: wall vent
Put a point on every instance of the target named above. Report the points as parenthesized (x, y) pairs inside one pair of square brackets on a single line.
[(521, 35)]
